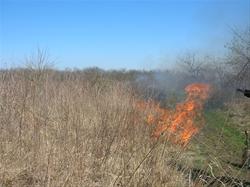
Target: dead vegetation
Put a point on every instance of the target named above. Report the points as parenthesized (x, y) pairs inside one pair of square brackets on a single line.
[(69, 129), (63, 131)]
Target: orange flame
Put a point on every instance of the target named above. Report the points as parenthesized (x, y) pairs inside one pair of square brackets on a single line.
[(183, 122)]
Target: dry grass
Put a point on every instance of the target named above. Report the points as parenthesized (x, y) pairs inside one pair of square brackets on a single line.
[(69, 130)]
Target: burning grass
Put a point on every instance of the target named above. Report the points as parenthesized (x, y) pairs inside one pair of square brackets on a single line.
[(181, 124)]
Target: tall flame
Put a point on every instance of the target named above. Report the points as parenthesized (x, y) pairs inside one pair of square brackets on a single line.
[(183, 122)]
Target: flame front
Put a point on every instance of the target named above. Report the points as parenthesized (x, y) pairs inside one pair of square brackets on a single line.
[(183, 122)]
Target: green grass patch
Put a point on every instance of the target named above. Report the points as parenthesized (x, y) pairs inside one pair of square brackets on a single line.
[(220, 139), (219, 125)]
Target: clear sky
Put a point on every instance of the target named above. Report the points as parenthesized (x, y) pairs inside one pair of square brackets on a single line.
[(117, 34)]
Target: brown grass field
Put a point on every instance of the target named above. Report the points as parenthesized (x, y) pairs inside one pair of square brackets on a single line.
[(71, 130), (77, 133)]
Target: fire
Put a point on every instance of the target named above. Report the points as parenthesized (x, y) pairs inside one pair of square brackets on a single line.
[(183, 122)]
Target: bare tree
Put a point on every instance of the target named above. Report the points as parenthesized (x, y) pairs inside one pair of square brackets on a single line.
[(191, 66), (239, 56)]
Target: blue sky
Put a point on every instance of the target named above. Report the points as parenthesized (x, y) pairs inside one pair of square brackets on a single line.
[(117, 34)]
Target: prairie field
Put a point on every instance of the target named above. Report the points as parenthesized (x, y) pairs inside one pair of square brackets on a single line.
[(71, 132), (85, 129)]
